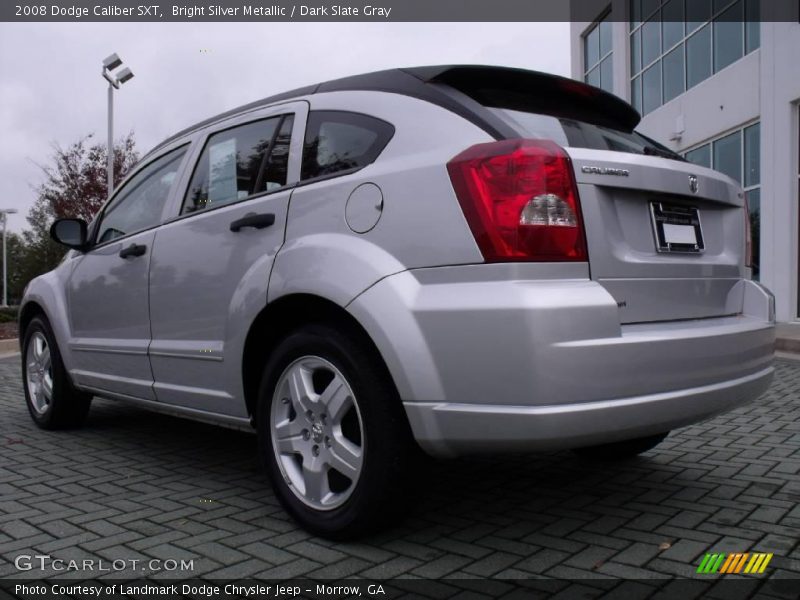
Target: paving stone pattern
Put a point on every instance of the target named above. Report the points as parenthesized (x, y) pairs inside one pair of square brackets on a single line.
[(136, 485)]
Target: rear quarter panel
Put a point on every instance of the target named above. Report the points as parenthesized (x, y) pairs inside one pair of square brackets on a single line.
[(421, 223)]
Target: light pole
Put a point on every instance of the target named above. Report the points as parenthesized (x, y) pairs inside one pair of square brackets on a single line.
[(4, 212), (114, 81)]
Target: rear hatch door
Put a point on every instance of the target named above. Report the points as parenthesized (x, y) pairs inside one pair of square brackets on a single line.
[(665, 238), (638, 198)]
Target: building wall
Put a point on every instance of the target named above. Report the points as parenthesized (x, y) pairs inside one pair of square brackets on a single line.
[(780, 133), (762, 86), (718, 104)]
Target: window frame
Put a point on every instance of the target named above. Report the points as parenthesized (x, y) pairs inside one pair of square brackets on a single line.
[(94, 229), (199, 137), (739, 131), (342, 173), (604, 15), (281, 116), (636, 28)]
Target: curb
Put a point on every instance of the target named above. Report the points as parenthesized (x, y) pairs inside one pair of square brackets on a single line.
[(7, 346), (787, 345)]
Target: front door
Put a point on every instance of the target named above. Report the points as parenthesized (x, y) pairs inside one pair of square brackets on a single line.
[(107, 291), (211, 264)]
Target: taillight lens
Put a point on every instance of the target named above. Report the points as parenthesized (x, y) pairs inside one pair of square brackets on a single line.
[(748, 236), (520, 200)]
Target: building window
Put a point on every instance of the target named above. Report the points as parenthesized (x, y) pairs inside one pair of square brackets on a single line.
[(738, 155), (598, 68), (676, 44)]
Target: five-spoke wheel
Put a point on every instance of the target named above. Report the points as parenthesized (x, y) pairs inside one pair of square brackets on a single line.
[(332, 431), (39, 372), (317, 432), (54, 403)]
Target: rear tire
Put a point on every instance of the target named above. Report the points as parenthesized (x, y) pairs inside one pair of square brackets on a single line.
[(332, 433), (53, 402), (621, 450)]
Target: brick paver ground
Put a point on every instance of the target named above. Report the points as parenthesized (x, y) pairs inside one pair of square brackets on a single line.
[(135, 485)]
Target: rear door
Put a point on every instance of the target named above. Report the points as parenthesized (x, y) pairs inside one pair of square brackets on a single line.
[(211, 264)]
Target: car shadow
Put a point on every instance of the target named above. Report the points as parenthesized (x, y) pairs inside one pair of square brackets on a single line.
[(512, 496)]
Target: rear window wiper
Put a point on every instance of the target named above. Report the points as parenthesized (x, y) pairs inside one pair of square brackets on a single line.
[(662, 152)]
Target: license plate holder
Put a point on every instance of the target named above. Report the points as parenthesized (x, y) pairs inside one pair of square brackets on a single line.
[(677, 228)]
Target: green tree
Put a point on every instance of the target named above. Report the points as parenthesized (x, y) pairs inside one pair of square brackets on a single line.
[(15, 245)]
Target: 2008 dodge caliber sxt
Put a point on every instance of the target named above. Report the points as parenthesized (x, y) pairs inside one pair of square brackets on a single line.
[(459, 259)]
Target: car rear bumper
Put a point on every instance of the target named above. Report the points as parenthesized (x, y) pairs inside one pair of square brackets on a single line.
[(512, 363), (448, 429)]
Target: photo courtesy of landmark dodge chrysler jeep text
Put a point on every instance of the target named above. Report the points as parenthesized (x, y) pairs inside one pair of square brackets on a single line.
[(458, 258)]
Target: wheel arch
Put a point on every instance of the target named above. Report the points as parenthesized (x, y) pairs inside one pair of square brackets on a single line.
[(27, 312), (46, 296), (280, 317)]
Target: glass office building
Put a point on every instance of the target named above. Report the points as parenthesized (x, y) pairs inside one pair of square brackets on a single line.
[(722, 89)]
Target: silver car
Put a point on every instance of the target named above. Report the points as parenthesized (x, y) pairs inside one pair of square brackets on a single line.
[(456, 259)]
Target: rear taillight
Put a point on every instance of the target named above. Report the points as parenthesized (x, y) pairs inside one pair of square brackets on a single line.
[(748, 236), (520, 200)]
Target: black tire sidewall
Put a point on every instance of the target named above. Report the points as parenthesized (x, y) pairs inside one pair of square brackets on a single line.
[(68, 407), (383, 468)]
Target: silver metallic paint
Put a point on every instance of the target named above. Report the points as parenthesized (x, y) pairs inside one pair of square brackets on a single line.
[(538, 352)]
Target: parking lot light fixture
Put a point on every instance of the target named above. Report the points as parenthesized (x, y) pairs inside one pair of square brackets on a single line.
[(110, 64)]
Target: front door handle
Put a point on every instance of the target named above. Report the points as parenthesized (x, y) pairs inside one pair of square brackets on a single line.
[(133, 250), (253, 220)]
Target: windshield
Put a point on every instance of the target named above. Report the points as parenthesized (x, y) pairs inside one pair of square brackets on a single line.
[(579, 134)]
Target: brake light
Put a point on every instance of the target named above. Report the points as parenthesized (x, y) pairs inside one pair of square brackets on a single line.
[(748, 236), (520, 200)]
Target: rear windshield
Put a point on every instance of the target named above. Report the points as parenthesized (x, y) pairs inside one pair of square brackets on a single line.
[(579, 134)]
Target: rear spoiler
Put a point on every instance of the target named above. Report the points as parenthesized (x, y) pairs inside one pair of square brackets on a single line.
[(532, 91)]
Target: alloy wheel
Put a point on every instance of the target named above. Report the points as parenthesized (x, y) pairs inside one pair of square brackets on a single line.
[(39, 371), (317, 433)]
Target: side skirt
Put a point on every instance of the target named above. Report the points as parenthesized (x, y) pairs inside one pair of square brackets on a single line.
[(237, 423)]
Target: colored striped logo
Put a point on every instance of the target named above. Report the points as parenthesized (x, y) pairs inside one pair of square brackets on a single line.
[(749, 563)]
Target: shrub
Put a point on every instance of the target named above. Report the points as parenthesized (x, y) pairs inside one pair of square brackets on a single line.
[(9, 314)]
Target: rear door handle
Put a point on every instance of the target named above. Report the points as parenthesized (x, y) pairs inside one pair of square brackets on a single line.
[(133, 250), (253, 220)]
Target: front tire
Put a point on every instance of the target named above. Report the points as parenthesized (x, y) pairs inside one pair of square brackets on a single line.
[(53, 402), (332, 432), (621, 450)]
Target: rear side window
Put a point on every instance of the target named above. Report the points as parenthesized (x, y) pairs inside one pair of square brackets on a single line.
[(239, 163), (339, 142)]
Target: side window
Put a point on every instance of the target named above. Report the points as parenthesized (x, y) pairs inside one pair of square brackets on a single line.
[(140, 204), (240, 162), (342, 141)]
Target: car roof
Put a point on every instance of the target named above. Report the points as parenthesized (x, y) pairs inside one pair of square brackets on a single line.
[(460, 88)]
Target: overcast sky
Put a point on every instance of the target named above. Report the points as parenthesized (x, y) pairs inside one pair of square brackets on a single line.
[(51, 90)]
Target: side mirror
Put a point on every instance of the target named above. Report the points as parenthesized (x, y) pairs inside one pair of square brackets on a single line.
[(70, 232)]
